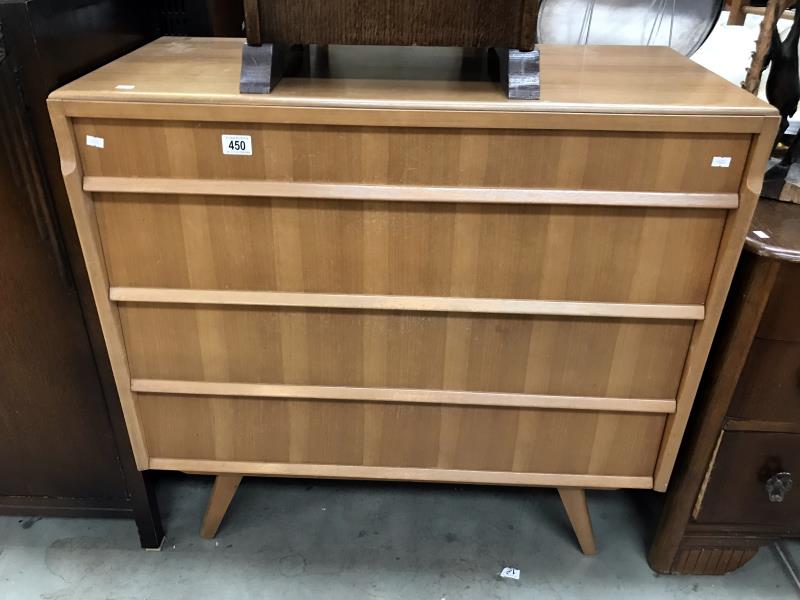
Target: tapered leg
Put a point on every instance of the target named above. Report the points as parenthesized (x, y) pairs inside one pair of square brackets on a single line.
[(224, 488), (574, 500)]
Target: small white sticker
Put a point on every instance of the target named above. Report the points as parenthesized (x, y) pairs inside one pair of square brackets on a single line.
[(241, 145), (721, 161), (95, 142), (761, 234), (509, 573), (125, 86)]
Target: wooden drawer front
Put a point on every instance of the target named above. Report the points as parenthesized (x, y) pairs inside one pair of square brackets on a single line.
[(769, 387), (624, 161), (736, 490), (392, 435), (537, 355), (589, 253), (781, 318)]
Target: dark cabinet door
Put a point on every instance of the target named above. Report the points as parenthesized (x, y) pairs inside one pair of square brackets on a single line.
[(55, 438), (63, 445), (747, 466)]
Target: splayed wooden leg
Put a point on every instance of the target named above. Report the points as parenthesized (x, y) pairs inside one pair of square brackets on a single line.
[(224, 488), (574, 500)]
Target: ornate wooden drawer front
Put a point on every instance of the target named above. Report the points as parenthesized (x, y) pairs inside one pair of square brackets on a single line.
[(407, 156), (753, 467)]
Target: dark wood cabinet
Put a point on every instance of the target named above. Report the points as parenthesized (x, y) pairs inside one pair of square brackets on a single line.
[(737, 485), (64, 449)]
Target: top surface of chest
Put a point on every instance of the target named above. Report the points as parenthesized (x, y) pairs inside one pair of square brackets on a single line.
[(575, 79)]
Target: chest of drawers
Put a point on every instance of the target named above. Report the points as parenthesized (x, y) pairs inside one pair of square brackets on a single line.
[(411, 280)]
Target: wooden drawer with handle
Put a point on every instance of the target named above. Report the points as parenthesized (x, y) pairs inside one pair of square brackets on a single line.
[(757, 474)]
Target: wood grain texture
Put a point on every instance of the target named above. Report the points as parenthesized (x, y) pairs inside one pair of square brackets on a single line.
[(371, 302), (640, 80), (547, 253), (781, 319), (512, 354), (86, 225), (614, 123), (471, 23), (768, 389), (205, 467), (733, 236), (744, 463), (618, 161), (574, 500), (407, 193), (711, 561), (446, 114), (225, 487), (400, 436), (754, 281), (401, 396)]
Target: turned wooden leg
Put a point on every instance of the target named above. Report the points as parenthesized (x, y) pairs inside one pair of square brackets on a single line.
[(574, 500), (224, 488)]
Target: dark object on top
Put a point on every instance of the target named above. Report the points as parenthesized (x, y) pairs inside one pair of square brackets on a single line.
[(783, 92), (509, 26)]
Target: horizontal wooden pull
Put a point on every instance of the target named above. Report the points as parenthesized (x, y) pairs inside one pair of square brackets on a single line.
[(402, 395), (409, 303), (400, 473), (404, 193)]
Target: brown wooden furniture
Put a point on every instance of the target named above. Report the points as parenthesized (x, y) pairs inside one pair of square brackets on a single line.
[(219, 18), (739, 9), (509, 26), (729, 496), (64, 448), (411, 280)]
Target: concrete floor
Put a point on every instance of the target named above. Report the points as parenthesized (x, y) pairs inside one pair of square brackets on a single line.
[(293, 539)]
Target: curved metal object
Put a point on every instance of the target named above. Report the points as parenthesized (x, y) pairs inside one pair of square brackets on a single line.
[(778, 485), (682, 24)]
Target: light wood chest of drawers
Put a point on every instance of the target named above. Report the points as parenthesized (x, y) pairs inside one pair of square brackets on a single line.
[(414, 280)]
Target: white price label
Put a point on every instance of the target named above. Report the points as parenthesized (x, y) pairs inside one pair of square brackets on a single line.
[(722, 162), (95, 142), (761, 234), (240, 145), (509, 573)]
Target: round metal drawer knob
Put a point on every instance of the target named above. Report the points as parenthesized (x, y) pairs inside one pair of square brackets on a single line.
[(778, 485)]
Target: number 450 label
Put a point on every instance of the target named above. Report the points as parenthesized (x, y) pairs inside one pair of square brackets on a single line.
[(241, 145)]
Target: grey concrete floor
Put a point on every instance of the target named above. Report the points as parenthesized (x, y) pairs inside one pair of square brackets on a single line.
[(293, 539)]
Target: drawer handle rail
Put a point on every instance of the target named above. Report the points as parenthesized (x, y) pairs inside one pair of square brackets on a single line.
[(406, 193), (693, 312), (402, 396), (189, 465)]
